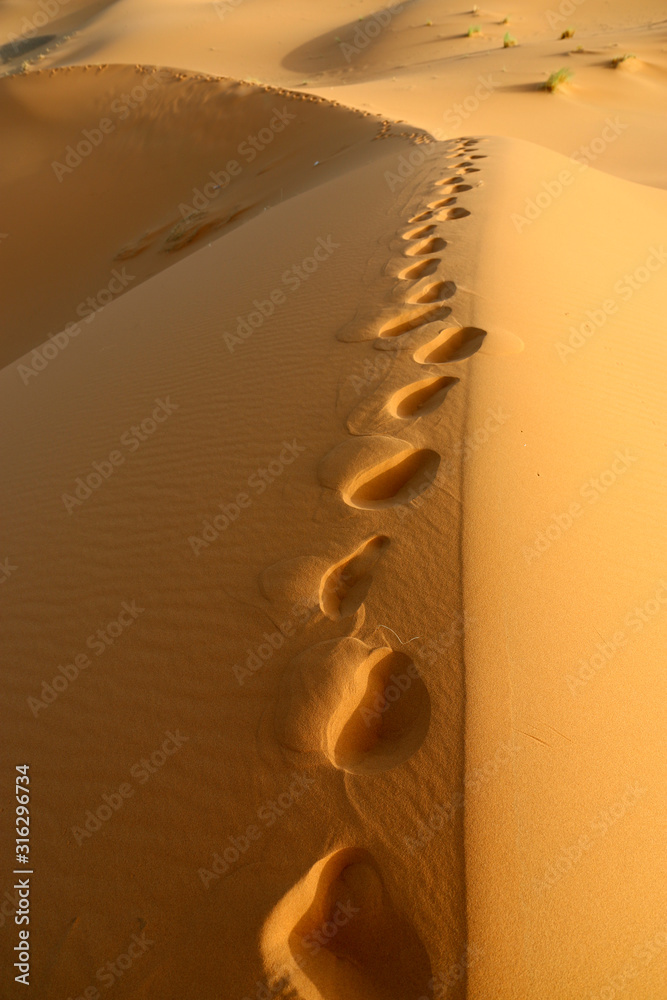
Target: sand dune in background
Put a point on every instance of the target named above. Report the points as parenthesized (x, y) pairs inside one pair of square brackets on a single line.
[(415, 61), (189, 158)]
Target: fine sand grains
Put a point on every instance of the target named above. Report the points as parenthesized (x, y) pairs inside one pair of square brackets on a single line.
[(368, 709)]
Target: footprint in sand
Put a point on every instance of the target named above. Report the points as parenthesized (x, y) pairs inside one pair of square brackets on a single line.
[(420, 270), (406, 320), (442, 203), (425, 247), (456, 213), (344, 587), (366, 710), (338, 935), (391, 322), (449, 181), (385, 721), (451, 345), (306, 583), (375, 471), (395, 481), (436, 291), (418, 234), (420, 398), (421, 217)]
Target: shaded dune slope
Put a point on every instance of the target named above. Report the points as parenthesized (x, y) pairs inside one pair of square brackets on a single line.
[(152, 163)]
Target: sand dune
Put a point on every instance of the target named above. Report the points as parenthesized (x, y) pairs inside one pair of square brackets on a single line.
[(249, 586), (386, 59), (179, 178), (333, 598)]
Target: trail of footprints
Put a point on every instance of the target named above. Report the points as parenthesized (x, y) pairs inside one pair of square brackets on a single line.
[(329, 697)]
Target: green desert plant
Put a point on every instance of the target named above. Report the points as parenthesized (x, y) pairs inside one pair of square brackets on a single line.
[(474, 29), (568, 33), (505, 20), (508, 40), (557, 79), (617, 60)]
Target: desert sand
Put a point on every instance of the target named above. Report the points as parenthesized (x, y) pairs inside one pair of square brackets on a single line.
[(334, 572)]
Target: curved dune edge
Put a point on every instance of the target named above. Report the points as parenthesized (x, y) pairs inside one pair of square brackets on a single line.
[(475, 84), (183, 159)]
